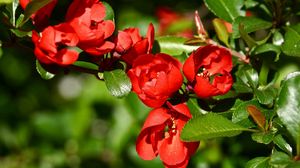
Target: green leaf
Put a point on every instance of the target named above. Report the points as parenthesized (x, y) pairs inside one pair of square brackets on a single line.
[(209, 126), (173, 45), (277, 38), (265, 95), (194, 107), (108, 11), (263, 137), (245, 36), (288, 106), (291, 45), (20, 33), (226, 9), (15, 5), (251, 3), (280, 159), (32, 7), (44, 74), (282, 144), (87, 65), (221, 30), (260, 49), (251, 24), (248, 76), (258, 162), (5, 1), (117, 82)]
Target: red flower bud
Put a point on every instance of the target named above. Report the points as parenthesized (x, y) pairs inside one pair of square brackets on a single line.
[(130, 44)]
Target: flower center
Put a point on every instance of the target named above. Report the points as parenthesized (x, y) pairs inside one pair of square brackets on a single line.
[(202, 72), (94, 24), (170, 128)]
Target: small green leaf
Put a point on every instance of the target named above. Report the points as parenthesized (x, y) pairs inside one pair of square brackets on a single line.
[(226, 9), (282, 144), (20, 33), (248, 76), (246, 37), (173, 45), (263, 137), (44, 74), (266, 48), (265, 95), (288, 106), (209, 126), (250, 3), (117, 82), (87, 65), (258, 162), (291, 45), (280, 159), (277, 38), (221, 30), (15, 5), (32, 7), (251, 24), (108, 11)]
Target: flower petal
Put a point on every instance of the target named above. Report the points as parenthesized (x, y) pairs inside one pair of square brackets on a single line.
[(181, 108), (204, 89), (150, 36), (156, 117), (98, 12), (172, 150), (66, 56)]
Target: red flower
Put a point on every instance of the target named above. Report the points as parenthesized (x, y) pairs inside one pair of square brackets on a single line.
[(51, 45), (160, 135), (87, 19), (41, 17), (208, 71), (155, 78), (130, 44)]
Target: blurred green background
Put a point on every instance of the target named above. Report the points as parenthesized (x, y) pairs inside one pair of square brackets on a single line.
[(71, 121)]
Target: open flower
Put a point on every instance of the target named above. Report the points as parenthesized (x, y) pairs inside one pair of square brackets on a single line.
[(53, 44), (130, 44), (160, 135), (155, 78), (41, 17), (87, 19), (208, 71)]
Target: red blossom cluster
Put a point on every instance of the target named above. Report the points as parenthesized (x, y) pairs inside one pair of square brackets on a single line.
[(156, 78)]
